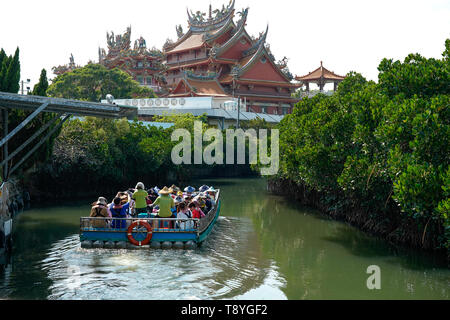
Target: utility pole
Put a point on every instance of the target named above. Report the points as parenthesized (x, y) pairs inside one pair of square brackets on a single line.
[(28, 88), (238, 111)]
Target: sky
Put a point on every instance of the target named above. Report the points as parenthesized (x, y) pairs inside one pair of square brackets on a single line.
[(347, 35)]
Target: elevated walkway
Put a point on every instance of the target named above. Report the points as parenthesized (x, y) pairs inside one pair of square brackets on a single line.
[(63, 110)]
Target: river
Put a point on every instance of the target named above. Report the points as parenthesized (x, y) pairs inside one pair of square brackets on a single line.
[(262, 247)]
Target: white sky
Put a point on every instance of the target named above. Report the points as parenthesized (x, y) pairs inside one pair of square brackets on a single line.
[(347, 35)]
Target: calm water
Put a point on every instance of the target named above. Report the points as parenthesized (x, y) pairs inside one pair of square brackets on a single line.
[(261, 248)]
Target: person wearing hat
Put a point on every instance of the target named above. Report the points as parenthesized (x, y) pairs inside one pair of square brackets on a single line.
[(165, 203), (139, 196), (100, 210), (119, 210), (175, 189), (189, 191)]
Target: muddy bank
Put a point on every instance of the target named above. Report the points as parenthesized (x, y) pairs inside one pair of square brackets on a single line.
[(389, 225)]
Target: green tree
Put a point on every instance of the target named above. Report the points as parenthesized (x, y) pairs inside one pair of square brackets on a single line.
[(378, 153), (40, 89), (12, 74), (93, 82)]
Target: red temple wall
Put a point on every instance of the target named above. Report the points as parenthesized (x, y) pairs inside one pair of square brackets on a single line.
[(235, 52), (263, 71)]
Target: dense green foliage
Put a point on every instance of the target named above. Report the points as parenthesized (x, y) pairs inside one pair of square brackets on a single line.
[(380, 148), (9, 72), (93, 82), (93, 156), (40, 89)]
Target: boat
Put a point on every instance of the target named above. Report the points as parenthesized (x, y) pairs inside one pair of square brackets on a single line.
[(149, 232)]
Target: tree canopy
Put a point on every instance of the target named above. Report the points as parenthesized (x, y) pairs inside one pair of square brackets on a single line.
[(379, 148), (94, 81)]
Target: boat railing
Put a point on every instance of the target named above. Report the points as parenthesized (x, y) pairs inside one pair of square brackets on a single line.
[(111, 224), (100, 224)]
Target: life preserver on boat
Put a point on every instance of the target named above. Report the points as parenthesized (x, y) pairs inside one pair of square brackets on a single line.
[(137, 224)]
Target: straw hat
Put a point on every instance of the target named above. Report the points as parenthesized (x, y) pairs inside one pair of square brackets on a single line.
[(174, 188), (102, 201), (165, 191)]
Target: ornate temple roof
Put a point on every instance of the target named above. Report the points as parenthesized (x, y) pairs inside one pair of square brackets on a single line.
[(198, 23), (199, 86), (320, 73)]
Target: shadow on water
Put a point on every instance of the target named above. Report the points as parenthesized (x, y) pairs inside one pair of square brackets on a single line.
[(360, 244)]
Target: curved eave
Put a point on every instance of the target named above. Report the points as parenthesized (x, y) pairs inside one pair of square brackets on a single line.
[(234, 38), (229, 24), (267, 83), (178, 42)]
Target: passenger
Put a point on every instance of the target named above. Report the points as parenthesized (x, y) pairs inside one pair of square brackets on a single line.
[(100, 210), (165, 203), (184, 214), (197, 213), (188, 191), (149, 204), (119, 211), (212, 193), (208, 203), (152, 194), (175, 190), (140, 205)]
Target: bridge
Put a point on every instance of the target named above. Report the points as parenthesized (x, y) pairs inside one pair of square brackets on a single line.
[(222, 112), (63, 110)]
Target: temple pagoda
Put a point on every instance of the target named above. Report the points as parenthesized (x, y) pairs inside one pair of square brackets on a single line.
[(143, 64), (321, 76), (217, 57), (61, 69)]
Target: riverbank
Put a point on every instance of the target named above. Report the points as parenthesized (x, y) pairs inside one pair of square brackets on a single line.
[(389, 226)]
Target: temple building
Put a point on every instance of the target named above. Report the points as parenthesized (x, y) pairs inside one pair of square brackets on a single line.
[(217, 57), (321, 76), (143, 64), (65, 68)]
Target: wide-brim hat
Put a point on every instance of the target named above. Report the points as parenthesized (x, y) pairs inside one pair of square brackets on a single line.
[(165, 191), (141, 185), (203, 188), (178, 199), (175, 188), (189, 189), (103, 201), (211, 189)]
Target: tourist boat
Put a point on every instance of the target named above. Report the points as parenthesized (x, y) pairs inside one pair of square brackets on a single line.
[(150, 232)]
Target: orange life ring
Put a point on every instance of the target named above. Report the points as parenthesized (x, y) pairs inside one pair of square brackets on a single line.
[(137, 224)]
